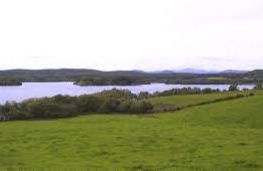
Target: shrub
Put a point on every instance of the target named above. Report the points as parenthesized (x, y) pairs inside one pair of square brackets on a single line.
[(109, 105), (59, 106), (141, 107), (144, 95), (124, 107), (258, 87), (64, 99), (47, 108), (88, 103), (185, 91), (117, 94), (164, 108), (233, 87)]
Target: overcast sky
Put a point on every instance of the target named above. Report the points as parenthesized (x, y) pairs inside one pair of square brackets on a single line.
[(134, 34)]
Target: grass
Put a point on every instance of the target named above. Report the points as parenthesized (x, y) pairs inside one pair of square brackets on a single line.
[(224, 135), (186, 100)]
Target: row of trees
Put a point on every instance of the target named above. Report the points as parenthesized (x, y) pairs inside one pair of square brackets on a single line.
[(186, 91), (111, 81), (234, 87), (191, 91), (115, 101), (259, 86), (5, 81)]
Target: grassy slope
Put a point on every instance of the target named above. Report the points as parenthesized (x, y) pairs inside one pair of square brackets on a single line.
[(221, 135), (185, 100)]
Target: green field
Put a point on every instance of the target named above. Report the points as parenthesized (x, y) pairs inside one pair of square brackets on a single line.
[(186, 100), (224, 135)]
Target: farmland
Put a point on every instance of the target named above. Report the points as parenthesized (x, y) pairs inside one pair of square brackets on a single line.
[(227, 134)]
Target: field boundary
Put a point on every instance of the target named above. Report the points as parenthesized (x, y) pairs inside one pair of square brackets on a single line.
[(161, 107)]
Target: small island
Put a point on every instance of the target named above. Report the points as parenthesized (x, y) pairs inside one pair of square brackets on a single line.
[(122, 81), (10, 82)]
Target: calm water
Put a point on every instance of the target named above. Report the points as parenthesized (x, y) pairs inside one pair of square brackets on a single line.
[(36, 90)]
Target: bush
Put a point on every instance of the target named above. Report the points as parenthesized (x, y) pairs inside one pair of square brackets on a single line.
[(88, 103), (14, 111), (64, 99), (144, 95), (59, 106), (186, 91), (48, 108), (164, 108), (233, 87), (6, 81), (109, 106), (141, 107), (117, 94), (124, 107), (258, 87)]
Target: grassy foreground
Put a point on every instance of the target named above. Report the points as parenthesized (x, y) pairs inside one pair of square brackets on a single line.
[(224, 135), (186, 100)]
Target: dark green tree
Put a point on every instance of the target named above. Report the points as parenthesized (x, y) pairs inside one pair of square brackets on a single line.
[(233, 87)]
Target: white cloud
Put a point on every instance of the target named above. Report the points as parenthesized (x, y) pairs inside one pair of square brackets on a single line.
[(138, 34)]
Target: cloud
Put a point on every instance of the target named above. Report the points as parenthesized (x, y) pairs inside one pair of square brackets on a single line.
[(139, 34), (217, 59)]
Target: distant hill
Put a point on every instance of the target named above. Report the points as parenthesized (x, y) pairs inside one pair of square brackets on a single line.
[(195, 71), (234, 71), (198, 71), (184, 76), (256, 72), (186, 70), (48, 74), (256, 75)]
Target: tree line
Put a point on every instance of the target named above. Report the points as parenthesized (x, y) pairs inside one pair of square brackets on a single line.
[(9, 81), (94, 77), (111, 101), (185, 91), (114, 101), (111, 81)]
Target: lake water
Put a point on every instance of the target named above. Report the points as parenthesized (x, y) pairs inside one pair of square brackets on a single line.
[(36, 90)]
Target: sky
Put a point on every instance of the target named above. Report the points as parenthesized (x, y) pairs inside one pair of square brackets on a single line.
[(134, 34)]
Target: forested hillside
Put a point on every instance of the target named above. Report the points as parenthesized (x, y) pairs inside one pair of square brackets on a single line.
[(94, 77)]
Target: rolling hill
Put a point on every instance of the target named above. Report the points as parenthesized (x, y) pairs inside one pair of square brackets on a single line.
[(225, 135), (135, 77)]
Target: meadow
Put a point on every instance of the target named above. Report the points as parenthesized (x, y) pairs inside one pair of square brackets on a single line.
[(227, 135), (195, 99)]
